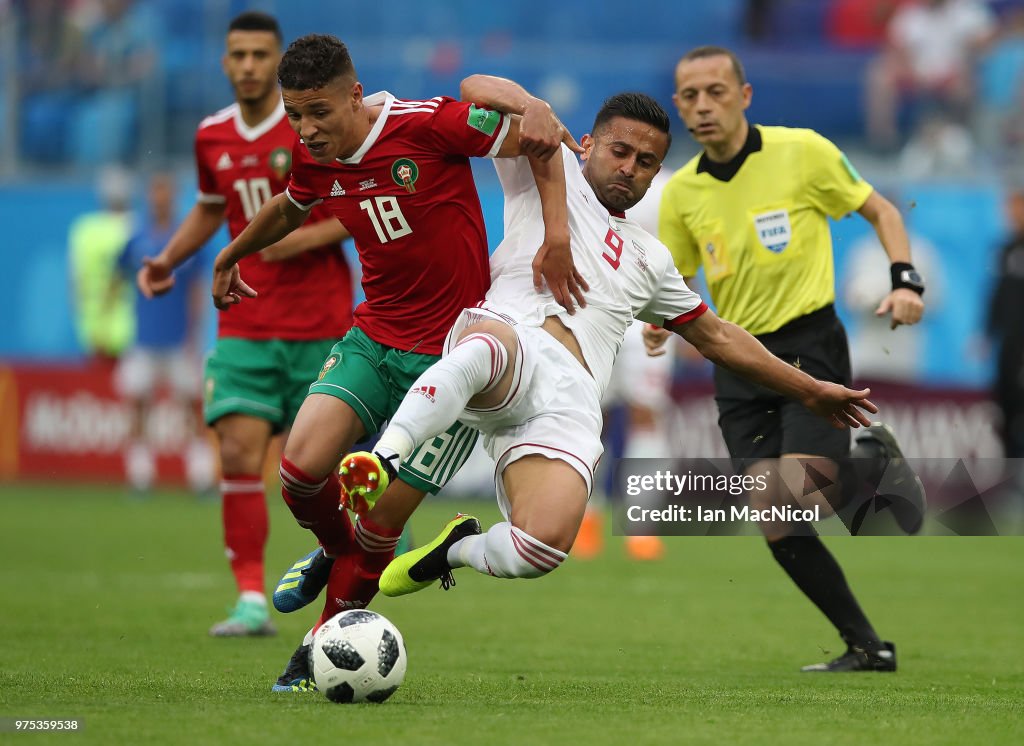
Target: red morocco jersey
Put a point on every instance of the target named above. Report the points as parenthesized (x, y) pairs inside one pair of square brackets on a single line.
[(306, 297), (407, 197)]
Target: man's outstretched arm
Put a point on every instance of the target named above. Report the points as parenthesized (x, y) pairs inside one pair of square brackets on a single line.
[(730, 346)]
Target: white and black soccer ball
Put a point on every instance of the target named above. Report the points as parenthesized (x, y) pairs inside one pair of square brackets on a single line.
[(358, 656)]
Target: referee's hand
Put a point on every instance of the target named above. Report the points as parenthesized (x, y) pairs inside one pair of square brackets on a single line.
[(842, 406), (654, 339), (906, 307)]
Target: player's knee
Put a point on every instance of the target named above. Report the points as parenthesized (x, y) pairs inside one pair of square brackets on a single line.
[(314, 457), (556, 534), (237, 456), (495, 330), (297, 463), (764, 499), (498, 329)]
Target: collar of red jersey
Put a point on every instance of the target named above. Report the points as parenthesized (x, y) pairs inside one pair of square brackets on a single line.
[(251, 134), (380, 97)]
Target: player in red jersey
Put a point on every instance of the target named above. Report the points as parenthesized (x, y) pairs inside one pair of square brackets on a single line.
[(397, 175), (267, 352)]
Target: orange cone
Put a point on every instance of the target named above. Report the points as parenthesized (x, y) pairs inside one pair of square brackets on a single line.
[(590, 539)]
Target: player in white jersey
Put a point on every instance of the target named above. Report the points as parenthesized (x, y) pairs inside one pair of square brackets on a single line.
[(529, 375), (636, 407)]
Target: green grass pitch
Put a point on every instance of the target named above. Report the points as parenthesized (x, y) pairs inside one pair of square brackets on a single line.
[(107, 599)]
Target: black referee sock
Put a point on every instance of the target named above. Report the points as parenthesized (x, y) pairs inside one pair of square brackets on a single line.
[(816, 572)]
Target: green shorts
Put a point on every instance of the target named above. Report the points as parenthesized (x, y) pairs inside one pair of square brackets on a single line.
[(373, 379), (264, 378)]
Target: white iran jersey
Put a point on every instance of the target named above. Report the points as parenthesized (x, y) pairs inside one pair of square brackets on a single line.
[(630, 273)]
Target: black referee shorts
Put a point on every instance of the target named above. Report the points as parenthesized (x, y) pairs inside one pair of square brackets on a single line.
[(758, 423)]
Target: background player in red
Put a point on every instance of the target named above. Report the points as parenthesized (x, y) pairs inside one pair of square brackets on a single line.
[(267, 352), (397, 175)]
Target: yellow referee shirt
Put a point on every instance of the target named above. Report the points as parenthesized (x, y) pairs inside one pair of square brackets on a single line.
[(761, 231)]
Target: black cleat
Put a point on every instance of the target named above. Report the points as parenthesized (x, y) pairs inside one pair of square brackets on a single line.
[(856, 658), (297, 676), (419, 568), (899, 485)]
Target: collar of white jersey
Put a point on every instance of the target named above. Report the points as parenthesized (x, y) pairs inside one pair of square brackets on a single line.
[(381, 97), (251, 134)]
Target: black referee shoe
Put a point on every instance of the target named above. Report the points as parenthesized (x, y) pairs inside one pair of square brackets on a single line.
[(899, 482), (856, 658)]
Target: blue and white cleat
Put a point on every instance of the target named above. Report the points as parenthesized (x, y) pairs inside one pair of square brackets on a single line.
[(303, 582)]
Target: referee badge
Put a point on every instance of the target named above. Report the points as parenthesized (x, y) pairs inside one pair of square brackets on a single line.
[(773, 230)]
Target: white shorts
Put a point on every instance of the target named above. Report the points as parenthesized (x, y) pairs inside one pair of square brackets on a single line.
[(141, 370), (553, 409)]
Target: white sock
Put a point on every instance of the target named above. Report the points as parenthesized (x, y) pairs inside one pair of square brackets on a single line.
[(435, 401), (200, 466), (139, 466), (505, 552)]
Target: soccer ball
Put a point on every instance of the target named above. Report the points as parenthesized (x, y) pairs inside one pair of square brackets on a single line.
[(358, 656)]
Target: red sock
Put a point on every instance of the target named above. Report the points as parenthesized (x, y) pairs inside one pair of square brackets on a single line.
[(314, 503), (353, 580), (244, 513)]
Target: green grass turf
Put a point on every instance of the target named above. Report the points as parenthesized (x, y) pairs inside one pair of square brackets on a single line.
[(107, 600)]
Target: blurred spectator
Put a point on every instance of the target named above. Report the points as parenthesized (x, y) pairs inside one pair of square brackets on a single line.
[(1006, 329), (1001, 90), (860, 24), (118, 58), (757, 19), (49, 55), (103, 318), (937, 148), (166, 347), (929, 58)]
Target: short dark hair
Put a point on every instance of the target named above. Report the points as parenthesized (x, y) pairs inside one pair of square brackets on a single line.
[(313, 61), (253, 20), (638, 106), (699, 53)]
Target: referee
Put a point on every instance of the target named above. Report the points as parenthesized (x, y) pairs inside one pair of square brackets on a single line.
[(752, 209)]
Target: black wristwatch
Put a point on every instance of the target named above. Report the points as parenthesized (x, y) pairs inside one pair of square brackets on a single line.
[(905, 276)]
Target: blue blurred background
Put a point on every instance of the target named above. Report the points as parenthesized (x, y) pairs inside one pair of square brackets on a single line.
[(94, 82)]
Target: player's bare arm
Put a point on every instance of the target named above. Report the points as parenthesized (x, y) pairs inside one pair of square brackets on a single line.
[(553, 261), (730, 346), (905, 305), (540, 131), (156, 276), (537, 133), (312, 236), (278, 217)]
